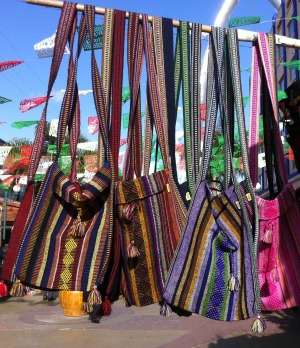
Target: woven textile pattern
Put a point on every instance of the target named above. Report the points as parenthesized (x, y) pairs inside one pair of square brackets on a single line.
[(212, 242), (148, 224), (50, 257), (279, 218), (279, 262)]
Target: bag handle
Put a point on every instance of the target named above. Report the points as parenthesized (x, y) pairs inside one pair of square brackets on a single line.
[(65, 27), (183, 75), (261, 64), (133, 155), (117, 77), (216, 49)]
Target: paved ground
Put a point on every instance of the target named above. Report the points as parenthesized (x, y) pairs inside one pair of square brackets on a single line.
[(32, 322)]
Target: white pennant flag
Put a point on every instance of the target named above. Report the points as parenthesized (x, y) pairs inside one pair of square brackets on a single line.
[(4, 151), (53, 128), (90, 146)]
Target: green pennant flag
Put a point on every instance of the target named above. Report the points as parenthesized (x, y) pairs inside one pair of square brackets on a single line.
[(125, 120), (248, 70), (294, 64), (98, 35), (221, 140), (65, 164), (282, 95), (125, 94), (240, 21), (39, 177), (245, 101), (4, 100), (65, 151), (22, 124)]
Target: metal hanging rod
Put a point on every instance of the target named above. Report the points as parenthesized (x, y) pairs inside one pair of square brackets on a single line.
[(243, 35)]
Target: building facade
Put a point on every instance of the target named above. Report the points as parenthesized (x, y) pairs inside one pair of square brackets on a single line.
[(285, 24)]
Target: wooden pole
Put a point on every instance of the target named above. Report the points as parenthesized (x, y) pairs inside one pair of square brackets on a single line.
[(243, 35)]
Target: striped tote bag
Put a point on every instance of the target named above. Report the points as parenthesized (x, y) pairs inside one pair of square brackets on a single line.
[(147, 216), (67, 237), (214, 271), (279, 215)]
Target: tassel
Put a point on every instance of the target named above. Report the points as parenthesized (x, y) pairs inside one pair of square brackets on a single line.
[(87, 307), (78, 228), (17, 289), (165, 310), (233, 283), (128, 212), (268, 235), (106, 307), (132, 250), (94, 298), (259, 325)]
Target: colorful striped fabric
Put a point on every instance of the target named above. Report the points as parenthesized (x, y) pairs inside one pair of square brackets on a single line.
[(145, 211), (213, 272), (50, 256), (279, 217), (65, 30), (213, 248)]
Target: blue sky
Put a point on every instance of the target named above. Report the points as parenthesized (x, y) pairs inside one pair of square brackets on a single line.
[(22, 25)]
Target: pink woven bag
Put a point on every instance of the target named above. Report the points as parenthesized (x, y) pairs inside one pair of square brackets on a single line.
[(279, 218)]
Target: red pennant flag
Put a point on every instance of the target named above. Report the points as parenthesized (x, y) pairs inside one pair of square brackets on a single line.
[(202, 112), (93, 124), (123, 142), (25, 154), (9, 64), (28, 104), (290, 155)]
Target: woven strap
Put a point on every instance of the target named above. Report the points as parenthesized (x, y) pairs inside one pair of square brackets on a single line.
[(70, 109), (169, 65), (182, 75), (118, 62), (106, 67), (195, 103), (252, 231), (261, 60), (157, 102), (133, 155), (212, 97), (102, 112), (66, 24)]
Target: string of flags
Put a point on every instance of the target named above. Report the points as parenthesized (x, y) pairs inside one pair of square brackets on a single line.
[(9, 64), (4, 100), (22, 124), (30, 103), (241, 21), (45, 48)]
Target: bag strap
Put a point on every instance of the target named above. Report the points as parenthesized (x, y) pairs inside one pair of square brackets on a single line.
[(183, 75), (117, 73), (212, 97), (169, 64), (157, 102), (195, 102), (106, 68), (70, 109), (262, 74), (132, 164), (65, 26), (252, 231)]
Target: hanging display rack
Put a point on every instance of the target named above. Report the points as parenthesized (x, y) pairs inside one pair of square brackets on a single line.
[(243, 35)]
